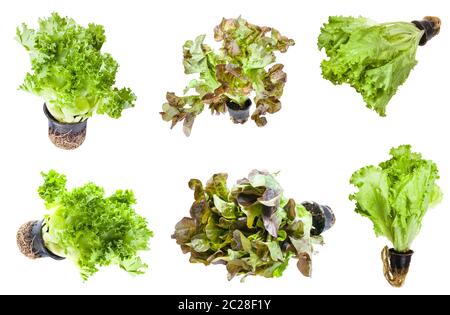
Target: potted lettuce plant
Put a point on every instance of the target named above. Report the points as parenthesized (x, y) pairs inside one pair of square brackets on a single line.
[(72, 75), (395, 196), (374, 58), (87, 227), (252, 228), (225, 79)]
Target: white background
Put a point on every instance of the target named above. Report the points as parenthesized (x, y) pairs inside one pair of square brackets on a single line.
[(321, 136)]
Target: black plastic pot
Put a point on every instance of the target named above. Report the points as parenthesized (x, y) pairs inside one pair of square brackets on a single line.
[(323, 217), (63, 135), (399, 262), (38, 243), (239, 113), (395, 266), (431, 27)]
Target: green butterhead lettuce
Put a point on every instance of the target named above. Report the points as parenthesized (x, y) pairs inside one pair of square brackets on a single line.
[(375, 59), (91, 229), (252, 229), (231, 74), (396, 195), (70, 72)]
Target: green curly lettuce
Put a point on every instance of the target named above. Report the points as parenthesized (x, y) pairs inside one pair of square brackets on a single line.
[(252, 229), (91, 229), (231, 74), (69, 71), (396, 195), (375, 59)]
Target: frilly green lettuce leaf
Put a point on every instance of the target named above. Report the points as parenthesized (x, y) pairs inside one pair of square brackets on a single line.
[(231, 74), (93, 230), (54, 186), (396, 195), (69, 71), (237, 228), (373, 58)]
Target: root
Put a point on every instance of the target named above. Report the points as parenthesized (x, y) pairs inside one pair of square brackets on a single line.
[(395, 279), (67, 141), (238, 120), (25, 240), (437, 23)]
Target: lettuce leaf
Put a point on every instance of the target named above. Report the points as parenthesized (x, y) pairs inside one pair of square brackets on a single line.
[(91, 229), (252, 228), (69, 71), (233, 73), (375, 59), (396, 195)]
